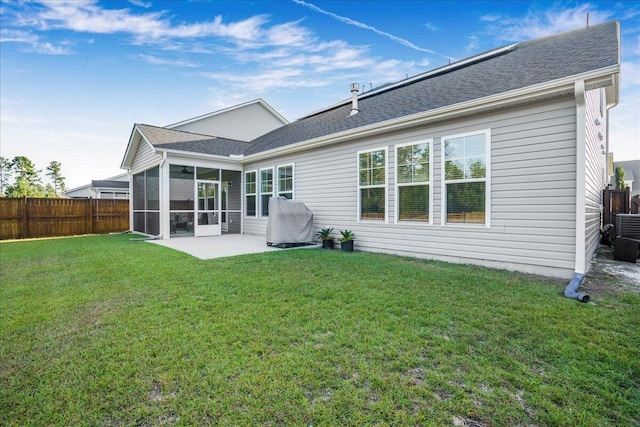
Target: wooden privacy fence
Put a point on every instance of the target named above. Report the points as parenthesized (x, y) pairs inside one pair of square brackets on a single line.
[(22, 218), (614, 202)]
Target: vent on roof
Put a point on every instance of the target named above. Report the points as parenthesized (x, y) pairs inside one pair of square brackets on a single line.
[(355, 88)]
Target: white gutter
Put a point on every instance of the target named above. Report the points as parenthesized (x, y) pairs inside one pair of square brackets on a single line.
[(192, 154), (485, 103)]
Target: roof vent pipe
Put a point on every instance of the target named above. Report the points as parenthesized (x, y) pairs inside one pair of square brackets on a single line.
[(355, 88)]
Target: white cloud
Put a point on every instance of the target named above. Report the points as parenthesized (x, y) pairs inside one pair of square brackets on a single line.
[(630, 75), (7, 117), (140, 3), (89, 17), (473, 44), (358, 24), (151, 59), (431, 27), (490, 18), (33, 42), (17, 36), (624, 133), (541, 23)]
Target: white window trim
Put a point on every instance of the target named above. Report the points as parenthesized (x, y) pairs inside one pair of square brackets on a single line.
[(274, 183), (245, 194), (386, 185), (397, 184), (293, 180), (486, 179)]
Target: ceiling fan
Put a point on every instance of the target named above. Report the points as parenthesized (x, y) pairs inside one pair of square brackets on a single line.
[(185, 171)]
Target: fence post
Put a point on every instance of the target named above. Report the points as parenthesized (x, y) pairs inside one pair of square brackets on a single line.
[(25, 227), (90, 215)]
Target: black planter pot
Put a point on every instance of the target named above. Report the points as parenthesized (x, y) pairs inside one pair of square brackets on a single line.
[(347, 246), (327, 244)]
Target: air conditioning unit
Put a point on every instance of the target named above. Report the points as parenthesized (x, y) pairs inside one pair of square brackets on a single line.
[(628, 225)]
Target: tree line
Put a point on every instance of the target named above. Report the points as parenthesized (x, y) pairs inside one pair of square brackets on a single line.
[(19, 177)]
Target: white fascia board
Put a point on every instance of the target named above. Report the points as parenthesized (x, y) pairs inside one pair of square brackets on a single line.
[(127, 161), (467, 107)]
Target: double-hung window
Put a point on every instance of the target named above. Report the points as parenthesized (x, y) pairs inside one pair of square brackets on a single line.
[(266, 190), (250, 193), (413, 180), (285, 181), (466, 168), (372, 185)]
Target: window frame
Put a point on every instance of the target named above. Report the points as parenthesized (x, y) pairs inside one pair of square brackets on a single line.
[(385, 185), (146, 211), (254, 194), (261, 193), (486, 180), (293, 181), (398, 184)]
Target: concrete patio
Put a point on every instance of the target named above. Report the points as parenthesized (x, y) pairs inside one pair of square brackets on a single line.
[(222, 246)]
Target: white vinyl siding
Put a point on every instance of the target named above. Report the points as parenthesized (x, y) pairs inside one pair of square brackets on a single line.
[(414, 174), (286, 181), (266, 190), (250, 191), (595, 169), (145, 157), (372, 185), (244, 124), (466, 185), (532, 199)]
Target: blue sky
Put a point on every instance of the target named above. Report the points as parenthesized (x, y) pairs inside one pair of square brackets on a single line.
[(75, 76)]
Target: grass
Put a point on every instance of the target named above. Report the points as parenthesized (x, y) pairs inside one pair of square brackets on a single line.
[(102, 331)]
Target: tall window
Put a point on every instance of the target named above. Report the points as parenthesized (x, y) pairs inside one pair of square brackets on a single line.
[(466, 183), (372, 184), (413, 177), (285, 181), (146, 202), (250, 189), (266, 190)]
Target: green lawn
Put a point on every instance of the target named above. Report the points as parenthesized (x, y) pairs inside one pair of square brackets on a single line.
[(99, 330)]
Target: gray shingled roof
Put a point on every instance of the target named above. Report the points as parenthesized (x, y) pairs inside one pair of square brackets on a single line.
[(193, 142), (529, 63), (109, 184)]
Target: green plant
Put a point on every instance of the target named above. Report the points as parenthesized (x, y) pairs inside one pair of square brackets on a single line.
[(347, 236), (325, 234)]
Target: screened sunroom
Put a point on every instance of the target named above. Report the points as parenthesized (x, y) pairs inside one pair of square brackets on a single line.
[(177, 200)]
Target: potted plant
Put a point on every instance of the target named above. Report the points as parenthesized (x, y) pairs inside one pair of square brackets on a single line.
[(346, 240), (326, 237)]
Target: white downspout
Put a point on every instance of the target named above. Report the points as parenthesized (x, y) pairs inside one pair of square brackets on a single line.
[(581, 142), (571, 290), (130, 176)]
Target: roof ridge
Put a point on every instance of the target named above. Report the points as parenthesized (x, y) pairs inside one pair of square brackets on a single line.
[(186, 131), (470, 60)]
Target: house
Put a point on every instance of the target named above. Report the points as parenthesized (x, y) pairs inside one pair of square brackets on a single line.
[(494, 160), (116, 187)]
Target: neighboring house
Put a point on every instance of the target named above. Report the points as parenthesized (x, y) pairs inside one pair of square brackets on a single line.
[(116, 187), (631, 175), (494, 160)]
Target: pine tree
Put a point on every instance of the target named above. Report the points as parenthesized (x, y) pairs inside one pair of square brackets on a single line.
[(53, 172), (27, 181)]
